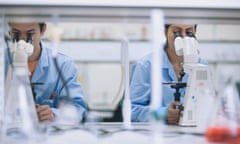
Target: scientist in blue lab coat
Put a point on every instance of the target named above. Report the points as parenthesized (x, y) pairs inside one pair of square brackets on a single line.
[(140, 85), (43, 71)]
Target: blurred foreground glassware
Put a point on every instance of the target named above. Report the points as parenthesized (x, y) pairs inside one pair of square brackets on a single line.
[(224, 126), (20, 121)]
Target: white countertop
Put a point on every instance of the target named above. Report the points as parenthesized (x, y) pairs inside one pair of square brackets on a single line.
[(113, 133)]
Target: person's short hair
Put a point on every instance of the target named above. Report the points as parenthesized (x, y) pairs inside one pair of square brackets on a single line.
[(167, 26), (41, 26)]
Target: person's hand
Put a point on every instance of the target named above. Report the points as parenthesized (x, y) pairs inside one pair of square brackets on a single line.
[(173, 113), (44, 113)]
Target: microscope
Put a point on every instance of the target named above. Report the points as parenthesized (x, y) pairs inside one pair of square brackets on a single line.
[(17, 57), (199, 79), (20, 117)]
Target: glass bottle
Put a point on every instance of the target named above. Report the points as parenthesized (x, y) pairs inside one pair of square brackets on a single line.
[(225, 124), (20, 121)]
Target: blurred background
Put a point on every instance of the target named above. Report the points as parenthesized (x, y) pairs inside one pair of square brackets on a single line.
[(96, 49)]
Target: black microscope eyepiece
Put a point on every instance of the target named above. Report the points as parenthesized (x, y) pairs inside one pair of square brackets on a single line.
[(29, 38), (16, 37)]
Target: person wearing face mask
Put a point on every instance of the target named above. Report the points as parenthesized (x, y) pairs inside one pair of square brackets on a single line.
[(49, 87), (172, 66)]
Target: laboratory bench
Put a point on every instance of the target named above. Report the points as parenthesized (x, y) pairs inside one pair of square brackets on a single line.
[(115, 133)]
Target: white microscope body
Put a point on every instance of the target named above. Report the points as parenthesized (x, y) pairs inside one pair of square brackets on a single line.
[(20, 51), (20, 117), (199, 79)]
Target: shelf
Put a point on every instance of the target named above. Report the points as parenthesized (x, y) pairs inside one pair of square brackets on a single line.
[(109, 51), (198, 11)]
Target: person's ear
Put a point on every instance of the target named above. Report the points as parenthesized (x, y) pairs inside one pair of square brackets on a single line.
[(166, 31), (195, 28), (43, 29)]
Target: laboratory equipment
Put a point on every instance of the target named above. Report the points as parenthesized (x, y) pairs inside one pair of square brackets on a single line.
[(126, 109), (2, 45), (20, 117), (199, 78), (157, 115), (224, 125), (177, 95)]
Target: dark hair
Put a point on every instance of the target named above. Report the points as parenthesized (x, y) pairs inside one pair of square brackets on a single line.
[(41, 26), (168, 25)]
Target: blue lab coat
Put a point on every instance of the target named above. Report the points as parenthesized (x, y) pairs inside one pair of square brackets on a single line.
[(50, 87), (140, 86)]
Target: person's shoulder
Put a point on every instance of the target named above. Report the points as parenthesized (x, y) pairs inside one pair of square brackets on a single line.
[(60, 56), (145, 59), (63, 56), (143, 63)]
